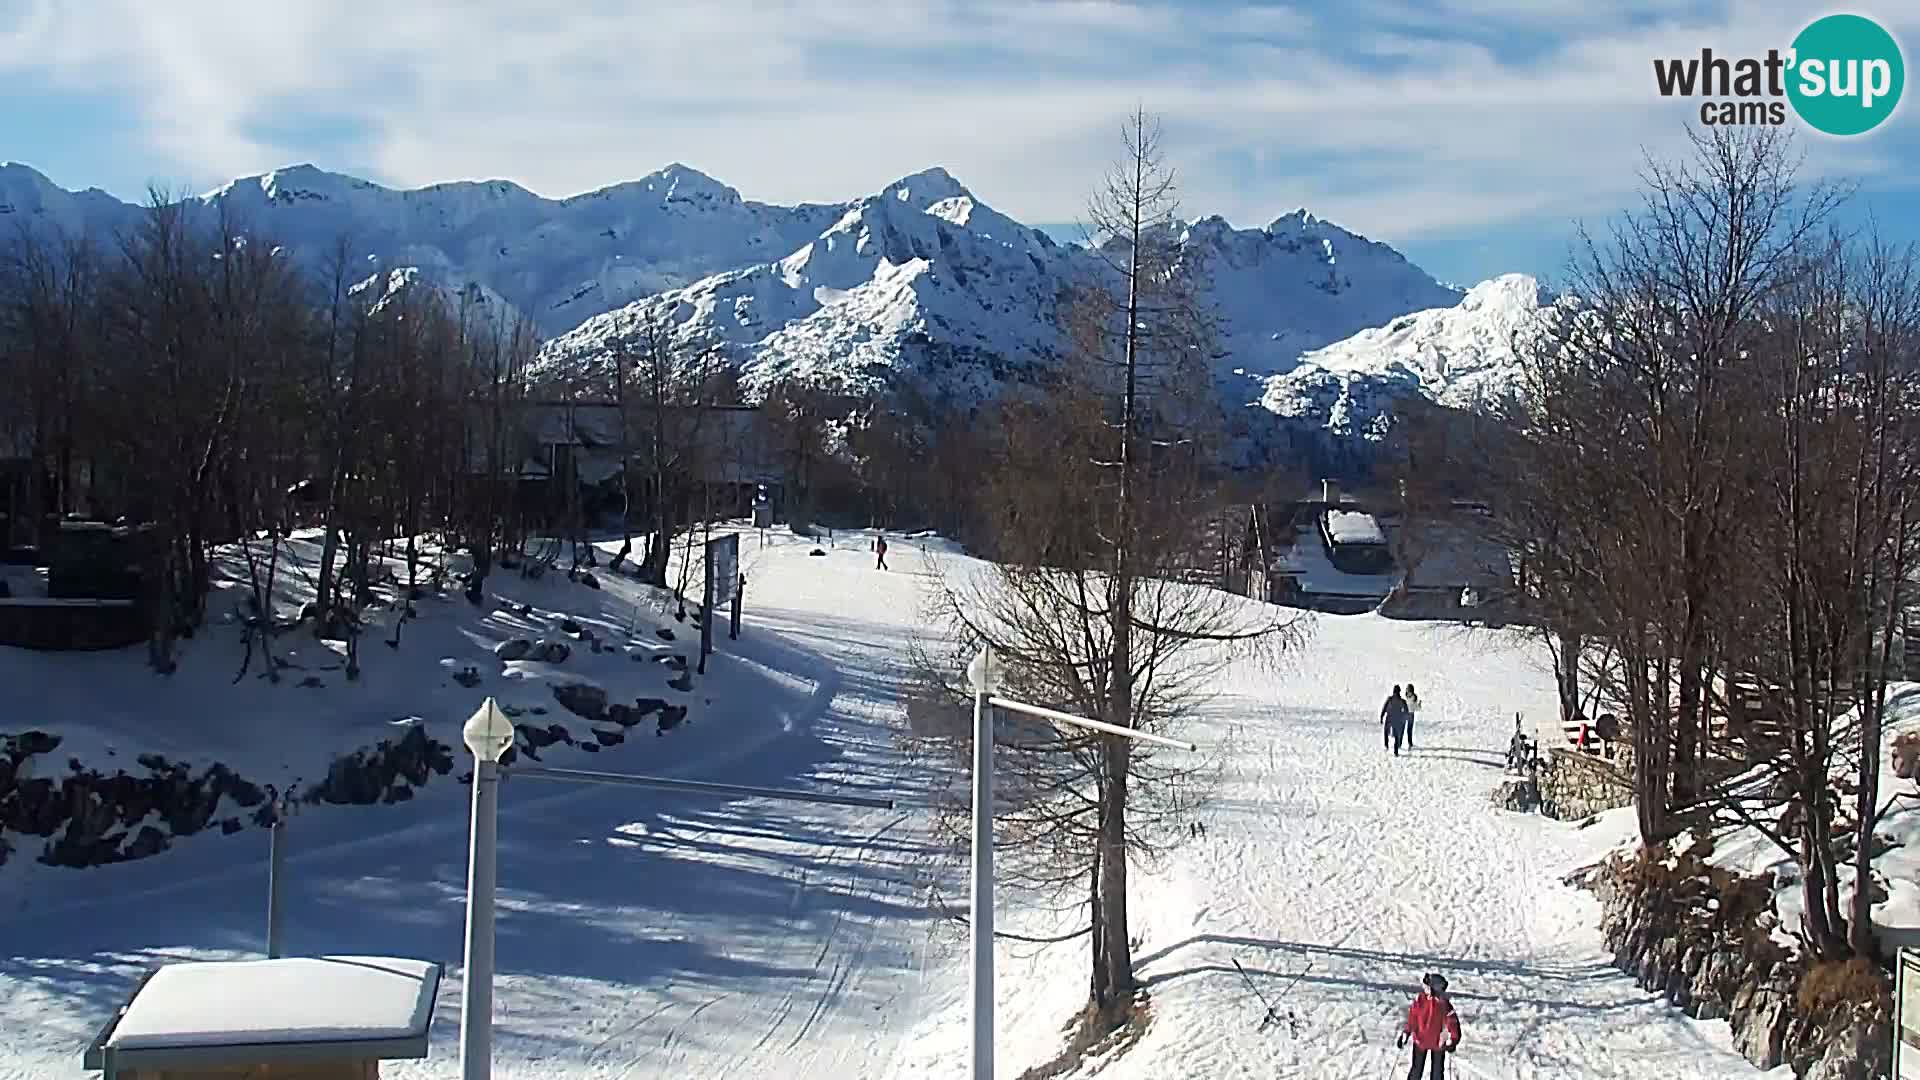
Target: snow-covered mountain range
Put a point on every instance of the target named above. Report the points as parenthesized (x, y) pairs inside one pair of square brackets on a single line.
[(920, 284), (559, 261)]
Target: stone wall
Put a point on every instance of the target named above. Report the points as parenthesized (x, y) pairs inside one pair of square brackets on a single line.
[(84, 817), (1574, 785), (1702, 937)]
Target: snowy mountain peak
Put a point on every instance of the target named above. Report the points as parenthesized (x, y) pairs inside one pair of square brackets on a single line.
[(1508, 291), (1331, 239), (16, 174), (310, 183), (1301, 220), (482, 192), (684, 183), (1461, 355), (31, 201), (1210, 229), (925, 188), (24, 189)]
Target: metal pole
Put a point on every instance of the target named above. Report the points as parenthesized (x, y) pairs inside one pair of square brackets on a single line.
[(476, 999), (276, 878), (1093, 725), (982, 884)]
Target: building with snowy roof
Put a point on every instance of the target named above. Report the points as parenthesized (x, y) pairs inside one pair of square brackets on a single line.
[(302, 1018), (1355, 541), (723, 452)]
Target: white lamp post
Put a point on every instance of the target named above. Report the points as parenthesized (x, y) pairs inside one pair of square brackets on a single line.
[(488, 733), (983, 676), (282, 807), (984, 679)]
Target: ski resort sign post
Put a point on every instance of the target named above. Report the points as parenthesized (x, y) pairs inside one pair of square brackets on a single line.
[(722, 587), (488, 733), (984, 678)]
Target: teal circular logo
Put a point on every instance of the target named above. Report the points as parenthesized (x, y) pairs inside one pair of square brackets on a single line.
[(1847, 74)]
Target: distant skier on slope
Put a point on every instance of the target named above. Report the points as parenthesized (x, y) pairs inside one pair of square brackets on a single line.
[(1413, 710), (1394, 716), (1429, 1020)]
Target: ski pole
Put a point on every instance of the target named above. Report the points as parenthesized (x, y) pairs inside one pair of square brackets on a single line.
[(1251, 985)]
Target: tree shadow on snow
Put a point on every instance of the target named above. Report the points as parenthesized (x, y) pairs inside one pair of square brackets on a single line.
[(682, 898), (1470, 755), (779, 634), (1544, 1010), (1423, 962)]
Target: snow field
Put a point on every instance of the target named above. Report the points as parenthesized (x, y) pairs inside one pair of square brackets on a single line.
[(646, 934)]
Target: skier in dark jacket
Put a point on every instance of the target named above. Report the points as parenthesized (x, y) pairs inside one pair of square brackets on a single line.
[(880, 550), (1394, 715), (1433, 1027)]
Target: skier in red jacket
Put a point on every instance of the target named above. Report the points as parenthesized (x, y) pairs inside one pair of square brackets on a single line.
[(1430, 1020)]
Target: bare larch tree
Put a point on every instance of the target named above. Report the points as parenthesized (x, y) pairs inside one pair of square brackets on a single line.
[(1096, 504)]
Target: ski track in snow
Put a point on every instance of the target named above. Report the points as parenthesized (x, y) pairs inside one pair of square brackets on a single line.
[(642, 935)]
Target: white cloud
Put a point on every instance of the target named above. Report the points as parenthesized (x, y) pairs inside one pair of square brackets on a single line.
[(824, 100)]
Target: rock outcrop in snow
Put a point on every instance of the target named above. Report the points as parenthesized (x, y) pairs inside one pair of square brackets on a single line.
[(1708, 944)]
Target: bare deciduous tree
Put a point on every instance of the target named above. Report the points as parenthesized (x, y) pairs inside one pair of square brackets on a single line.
[(666, 385), (1620, 482), (1708, 479), (1097, 503)]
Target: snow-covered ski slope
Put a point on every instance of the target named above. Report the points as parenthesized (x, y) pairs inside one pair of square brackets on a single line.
[(643, 935)]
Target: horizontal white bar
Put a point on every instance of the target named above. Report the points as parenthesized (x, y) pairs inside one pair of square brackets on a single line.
[(1080, 721), (583, 776)]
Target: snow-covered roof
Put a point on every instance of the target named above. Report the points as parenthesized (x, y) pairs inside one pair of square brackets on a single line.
[(1305, 560), (1354, 527), (1451, 557), (279, 1002)]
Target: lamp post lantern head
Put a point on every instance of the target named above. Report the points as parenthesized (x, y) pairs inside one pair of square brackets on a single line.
[(983, 675), (488, 732)]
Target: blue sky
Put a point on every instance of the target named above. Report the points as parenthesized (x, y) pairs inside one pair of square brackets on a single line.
[(1469, 135)]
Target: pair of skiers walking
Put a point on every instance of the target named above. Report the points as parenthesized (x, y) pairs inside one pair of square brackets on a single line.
[(1397, 717), (1432, 1027)]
